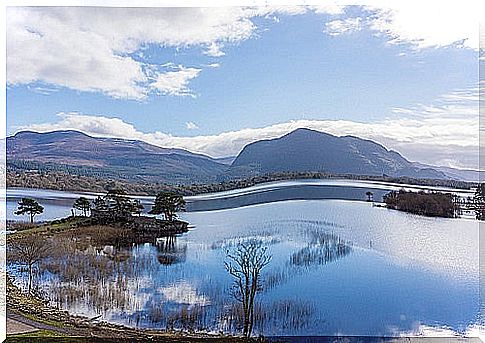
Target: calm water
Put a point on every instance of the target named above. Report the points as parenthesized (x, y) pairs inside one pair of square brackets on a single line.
[(396, 273)]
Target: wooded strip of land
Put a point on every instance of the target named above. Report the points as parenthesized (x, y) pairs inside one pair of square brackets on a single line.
[(69, 182)]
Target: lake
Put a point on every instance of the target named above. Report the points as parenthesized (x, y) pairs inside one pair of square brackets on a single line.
[(58, 204), (339, 265)]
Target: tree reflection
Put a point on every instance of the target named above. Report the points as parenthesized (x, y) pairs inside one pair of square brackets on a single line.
[(322, 249), (169, 252)]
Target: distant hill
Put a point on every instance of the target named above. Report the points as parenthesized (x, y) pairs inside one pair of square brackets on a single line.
[(309, 150), (454, 173), (81, 154)]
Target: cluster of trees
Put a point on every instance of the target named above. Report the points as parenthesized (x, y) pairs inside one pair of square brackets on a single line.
[(168, 204), (438, 204), (115, 206), (478, 202), (433, 204)]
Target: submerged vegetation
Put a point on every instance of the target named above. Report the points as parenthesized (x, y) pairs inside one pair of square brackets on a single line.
[(105, 270)]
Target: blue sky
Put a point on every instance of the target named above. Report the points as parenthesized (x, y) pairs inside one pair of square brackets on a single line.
[(214, 80)]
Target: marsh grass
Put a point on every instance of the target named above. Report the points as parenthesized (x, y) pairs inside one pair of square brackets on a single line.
[(269, 317)]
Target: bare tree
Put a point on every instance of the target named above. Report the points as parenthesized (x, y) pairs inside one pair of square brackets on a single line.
[(245, 264), (28, 250)]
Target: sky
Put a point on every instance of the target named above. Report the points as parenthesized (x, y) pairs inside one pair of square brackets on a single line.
[(211, 80)]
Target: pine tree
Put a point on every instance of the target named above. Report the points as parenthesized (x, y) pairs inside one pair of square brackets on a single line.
[(29, 206)]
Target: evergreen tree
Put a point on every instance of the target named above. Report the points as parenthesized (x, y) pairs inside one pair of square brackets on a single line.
[(169, 204), (29, 206), (479, 202), (82, 204)]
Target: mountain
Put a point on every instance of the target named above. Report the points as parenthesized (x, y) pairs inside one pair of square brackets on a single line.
[(309, 150), (299, 151), (468, 175), (79, 153)]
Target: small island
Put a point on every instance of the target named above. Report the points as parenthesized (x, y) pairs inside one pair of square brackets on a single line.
[(115, 209), (431, 204)]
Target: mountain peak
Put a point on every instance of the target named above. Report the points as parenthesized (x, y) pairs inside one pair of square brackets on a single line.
[(307, 150), (303, 131)]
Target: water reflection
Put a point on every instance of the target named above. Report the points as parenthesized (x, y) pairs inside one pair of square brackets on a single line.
[(169, 252), (334, 263), (323, 248)]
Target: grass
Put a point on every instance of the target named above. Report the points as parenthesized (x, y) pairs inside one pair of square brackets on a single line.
[(50, 227), (37, 334), (44, 321)]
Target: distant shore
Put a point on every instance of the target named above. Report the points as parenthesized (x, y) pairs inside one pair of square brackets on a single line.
[(66, 182)]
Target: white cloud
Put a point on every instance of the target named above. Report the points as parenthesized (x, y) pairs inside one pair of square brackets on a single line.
[(88, 48), (214, 50), (443, 133), (330, 7), (423, 24), (190, 125), (91, 48), (43, 45), (338, 27), (175, 82)]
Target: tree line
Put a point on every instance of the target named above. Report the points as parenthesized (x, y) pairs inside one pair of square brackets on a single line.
[(64, 181)]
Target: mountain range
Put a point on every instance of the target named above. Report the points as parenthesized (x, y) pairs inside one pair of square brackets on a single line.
[(298, 151)]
